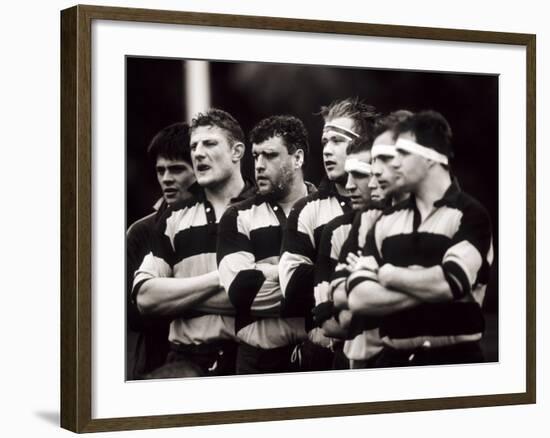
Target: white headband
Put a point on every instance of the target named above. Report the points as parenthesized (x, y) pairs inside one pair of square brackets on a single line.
[(387, 150), (338, 129), (355, 165), (423, 151)]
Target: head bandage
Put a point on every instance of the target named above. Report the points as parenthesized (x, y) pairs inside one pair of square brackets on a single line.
[(355, 165), (340, 130), (423, 151), (386, 150)]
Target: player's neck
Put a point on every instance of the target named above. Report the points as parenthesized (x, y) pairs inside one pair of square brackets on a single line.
[(399, 197), (431, 189), (298, 190), (220, 196), (341, 188)]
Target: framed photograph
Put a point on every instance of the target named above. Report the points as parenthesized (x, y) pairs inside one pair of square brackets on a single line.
[(129, 76)]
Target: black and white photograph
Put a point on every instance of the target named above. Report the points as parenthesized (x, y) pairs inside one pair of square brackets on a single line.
[(285, 218)]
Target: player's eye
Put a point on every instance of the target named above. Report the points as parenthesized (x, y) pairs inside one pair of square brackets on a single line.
[(177, 169)]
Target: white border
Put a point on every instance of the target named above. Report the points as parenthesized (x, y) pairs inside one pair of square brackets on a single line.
[(112, 397)]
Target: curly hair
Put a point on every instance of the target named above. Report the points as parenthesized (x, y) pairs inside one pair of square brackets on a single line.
[(221, 119), (289, 128), (363, 115), (171, 142)]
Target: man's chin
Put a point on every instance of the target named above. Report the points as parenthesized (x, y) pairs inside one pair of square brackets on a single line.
[(339, 178), (264, 191), (207, 182)]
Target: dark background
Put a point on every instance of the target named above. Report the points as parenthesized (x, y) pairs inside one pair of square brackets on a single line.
[(250, 91)]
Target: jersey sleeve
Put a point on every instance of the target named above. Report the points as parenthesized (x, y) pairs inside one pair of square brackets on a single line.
[(296, 269), (247, 287), (324, 307), (471, 251), (159, 261)]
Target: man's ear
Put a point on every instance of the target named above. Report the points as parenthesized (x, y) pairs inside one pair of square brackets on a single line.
[(237, 151), (298, 158)]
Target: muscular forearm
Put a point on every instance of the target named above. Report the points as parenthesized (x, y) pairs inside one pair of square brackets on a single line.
[(172, 296), (426, 284), (372, 299), (218, 304)]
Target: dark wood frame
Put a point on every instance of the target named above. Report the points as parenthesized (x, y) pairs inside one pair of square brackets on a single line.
[(76, 225)]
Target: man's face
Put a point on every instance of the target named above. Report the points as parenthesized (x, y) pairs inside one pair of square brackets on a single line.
[(358, 184), (334, 148), (376, 192), (212, 155), (385, 174), (274, 167), (174, 177), (410, 169)]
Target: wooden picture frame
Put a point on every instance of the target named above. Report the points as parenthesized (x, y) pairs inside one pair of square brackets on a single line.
[(76, 217)]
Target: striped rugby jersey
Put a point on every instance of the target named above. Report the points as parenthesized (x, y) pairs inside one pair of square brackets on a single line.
[(342, 235), (251, 233), (455, 235), (300, 247), (184, 246)]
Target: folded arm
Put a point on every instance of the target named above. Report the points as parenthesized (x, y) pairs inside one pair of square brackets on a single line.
[(426, 284), (157, 295), (370, 298)]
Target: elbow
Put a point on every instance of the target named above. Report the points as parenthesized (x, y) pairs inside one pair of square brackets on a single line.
[(144, 302)]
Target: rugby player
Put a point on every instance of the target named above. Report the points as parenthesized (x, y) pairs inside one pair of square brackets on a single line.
[(249, 247), (429, 257), (362, 189), (179, 277), (344, 121), (169, 151)]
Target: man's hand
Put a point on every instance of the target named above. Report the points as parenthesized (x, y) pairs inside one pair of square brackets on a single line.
[(357, 262), (332, 329)]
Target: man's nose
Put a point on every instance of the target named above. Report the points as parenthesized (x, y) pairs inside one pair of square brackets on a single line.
[(167, 176), (328, 149), (350, 183), (373, 182), (199, 151), (259, 163)]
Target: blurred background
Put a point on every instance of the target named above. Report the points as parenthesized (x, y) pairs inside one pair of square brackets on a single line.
[(160, 92)]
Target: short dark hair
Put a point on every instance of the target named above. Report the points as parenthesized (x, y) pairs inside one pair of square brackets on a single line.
[(363, 115), (289, 128), (358, 145), (431, 130), (221, 119), (171, 142), (390, 121)]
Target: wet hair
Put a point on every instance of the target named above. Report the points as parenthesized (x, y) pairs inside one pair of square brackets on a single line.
[(390, 121), (289, 128), (358, 145), (221, 119), (171, 142), (431, 130), (364, 116)]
